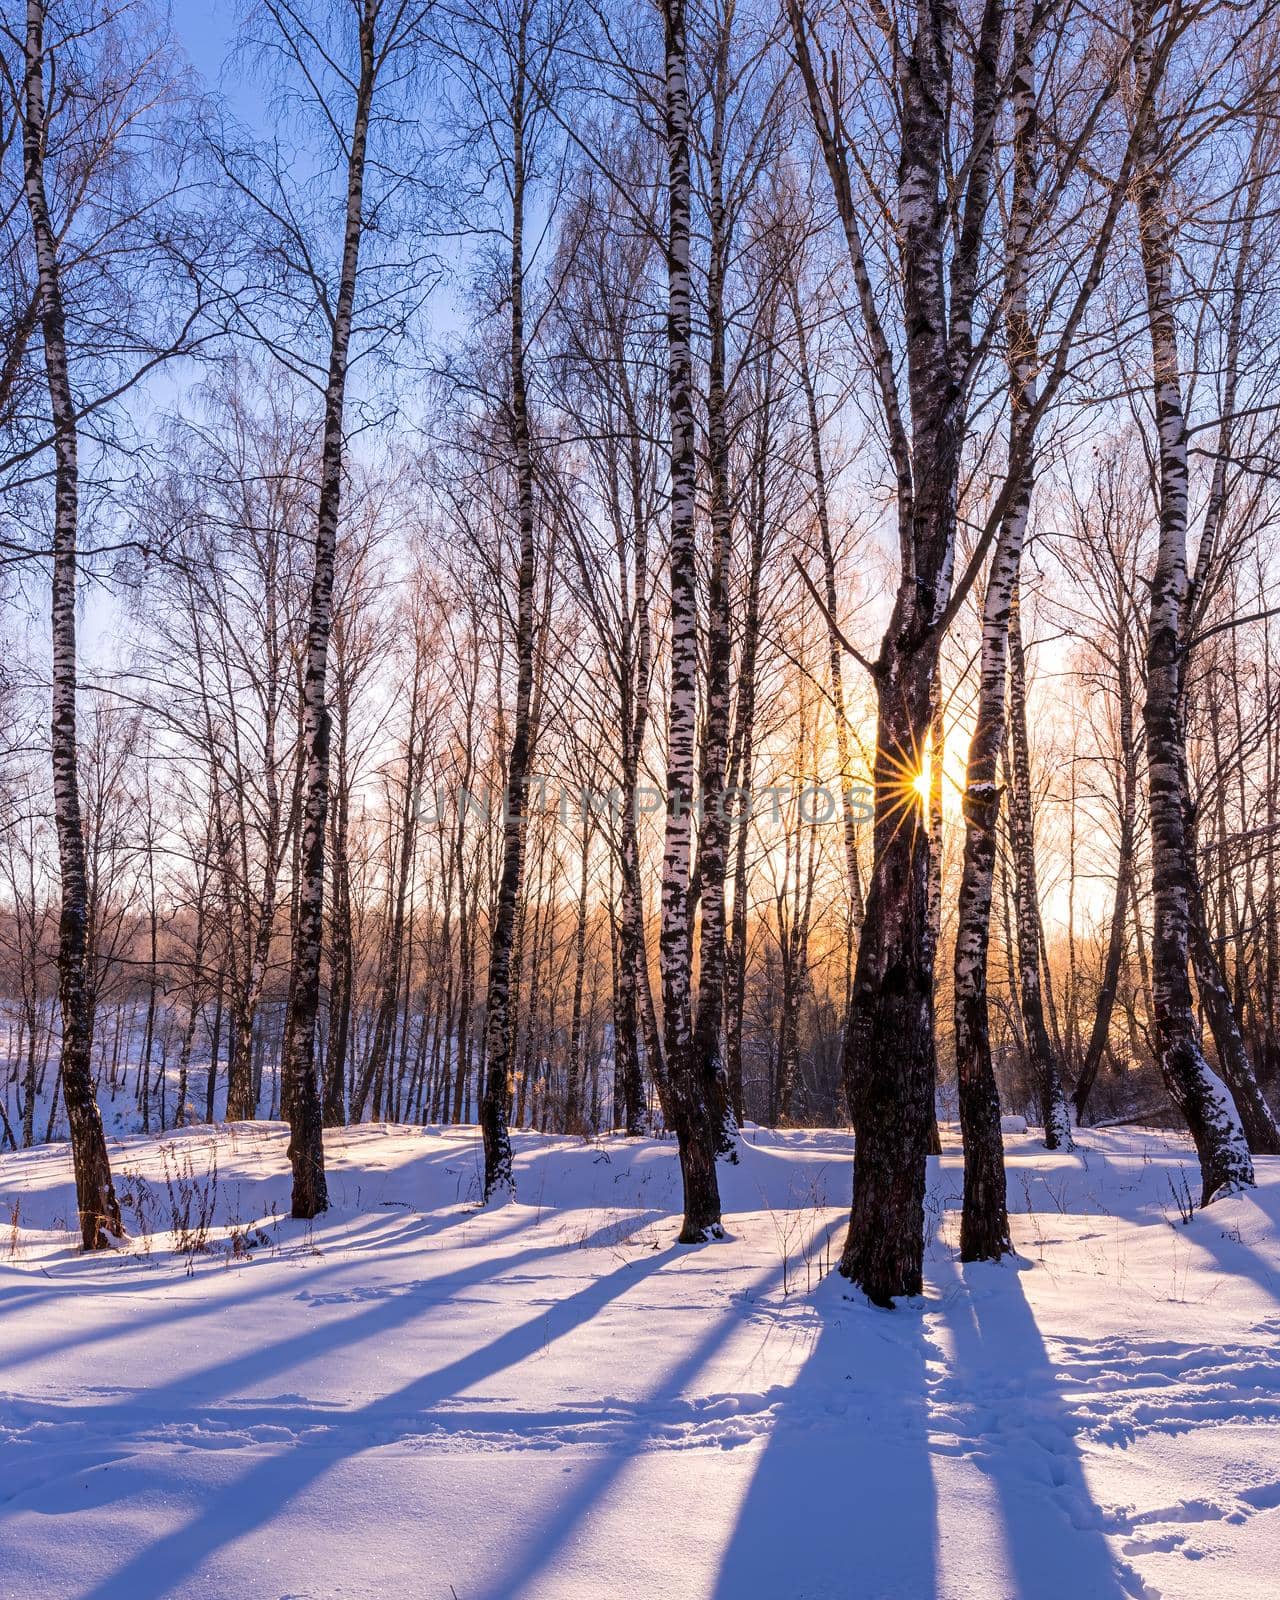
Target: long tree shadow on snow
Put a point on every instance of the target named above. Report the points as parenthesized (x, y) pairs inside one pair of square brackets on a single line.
[(842, 1501), (555, 1533), (998, 1390), (845, 1499), (396, 1235), (254, 1498)]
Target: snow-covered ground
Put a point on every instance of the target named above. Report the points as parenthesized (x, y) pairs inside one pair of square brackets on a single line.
[(412, 1398)]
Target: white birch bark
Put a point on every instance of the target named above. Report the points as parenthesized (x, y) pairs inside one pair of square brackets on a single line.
[(693, 1115), (95, 1194), (1198, 1092)]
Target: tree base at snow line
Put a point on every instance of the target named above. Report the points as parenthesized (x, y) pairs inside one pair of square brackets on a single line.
[(310, 1198), (499, 1166), (890, 1078), (306, 1157), (1056, 1117), (96, 1202), (884, 1250), (1201, 1096), (702, 1220), (700, 1233), (984, 1218), (100, 1225)]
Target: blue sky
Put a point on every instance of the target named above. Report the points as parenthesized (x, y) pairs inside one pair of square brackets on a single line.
[(204, 27)]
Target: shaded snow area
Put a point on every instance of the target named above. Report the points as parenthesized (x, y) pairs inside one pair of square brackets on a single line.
[(412, 1398)]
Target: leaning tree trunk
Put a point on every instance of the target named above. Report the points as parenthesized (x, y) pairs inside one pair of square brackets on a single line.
[(95, 1195), (692, 1109), (1045, 1071), (1197, 1091), (499, 1174), (306, 1120)]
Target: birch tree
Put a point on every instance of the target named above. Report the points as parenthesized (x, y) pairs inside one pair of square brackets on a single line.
[(83, 144), (1198, 1092), (347, 70)]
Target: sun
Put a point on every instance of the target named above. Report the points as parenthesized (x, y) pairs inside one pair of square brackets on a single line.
[(920, 783)]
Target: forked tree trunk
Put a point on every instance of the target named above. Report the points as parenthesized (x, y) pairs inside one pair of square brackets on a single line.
[(692, 1110), (889, 1046), (1197, 1091), (95, 1194)]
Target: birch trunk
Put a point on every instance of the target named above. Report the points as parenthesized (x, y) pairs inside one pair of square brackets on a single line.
[(95, 1194), (984, 1225), (743, 744), (984, 1220), (1125, 844), (341, 949), (1043, 1059), (302, 1092), (1256, 1116), (633, 967), (713, 843), (1197, 1091), (692, 1110), (1222, 1011), (499, 1176)]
